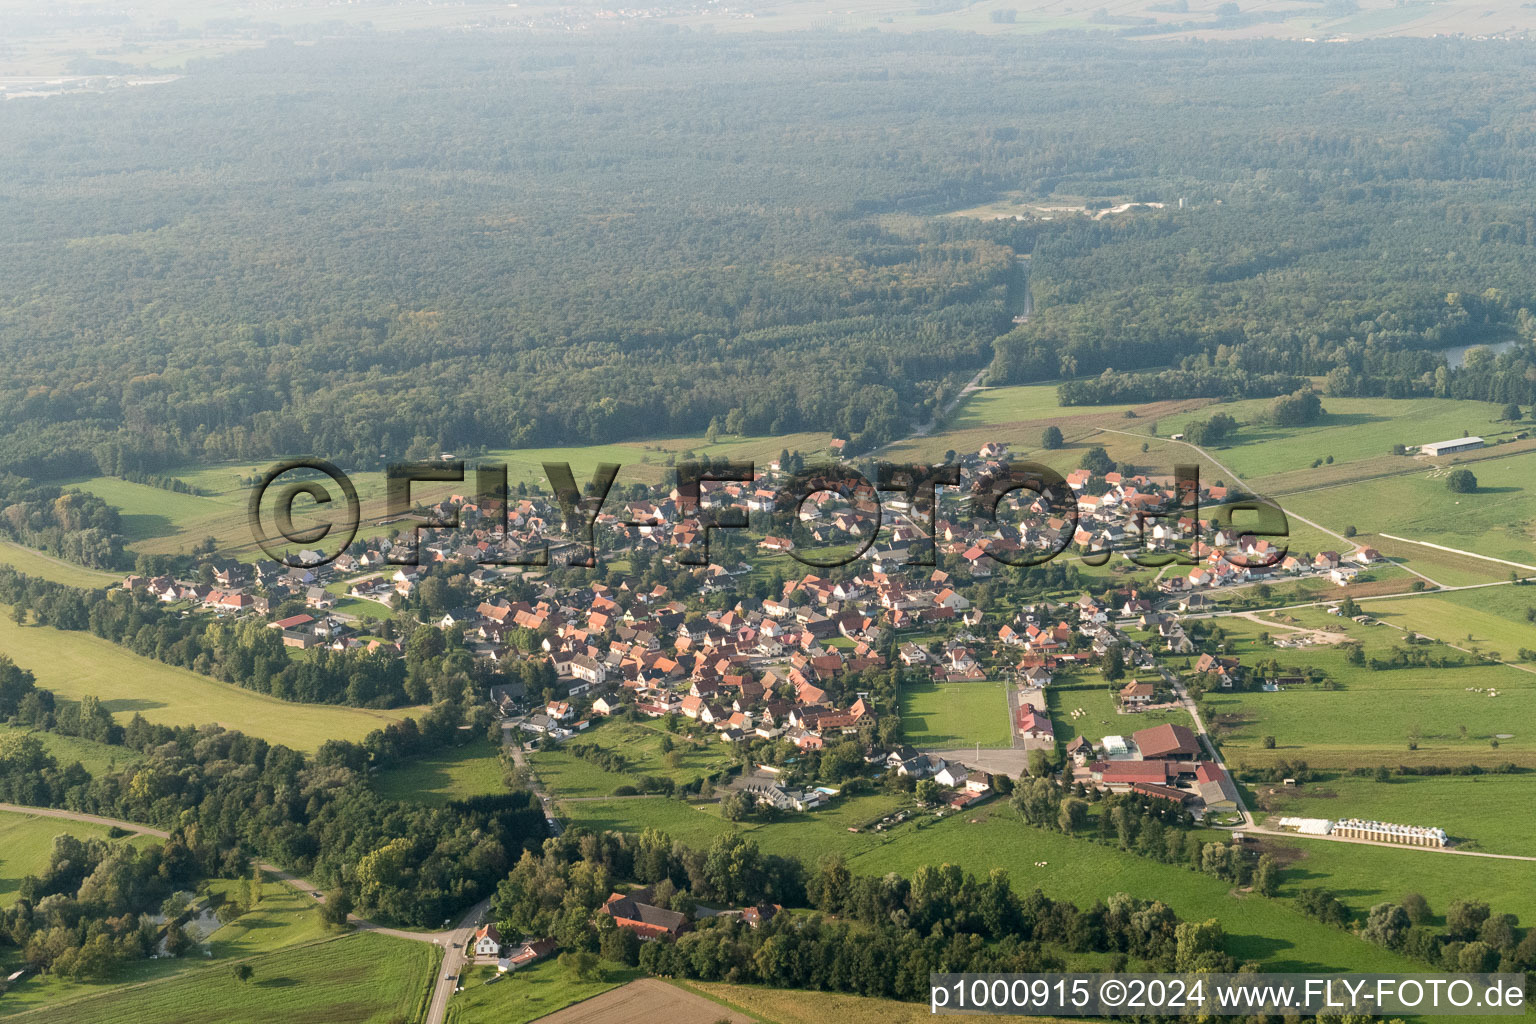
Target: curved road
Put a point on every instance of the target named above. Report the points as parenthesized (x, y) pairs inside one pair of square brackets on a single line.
[(452, 940)]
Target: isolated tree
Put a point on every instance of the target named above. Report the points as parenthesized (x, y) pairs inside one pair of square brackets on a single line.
[(1511, 412), (1461, 481), (1052, 438), (241, 973), (1098, 462)]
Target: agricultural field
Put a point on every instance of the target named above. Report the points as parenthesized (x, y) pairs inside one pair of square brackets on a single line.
[(528, 994), (1460, 622), (646, 1000), (473, 769), (945, 716), (1351, 430), (355, 979), (1473, 809), (1498, 520), (1374, 715), (94, 757), (75, 665), (793, 1006)]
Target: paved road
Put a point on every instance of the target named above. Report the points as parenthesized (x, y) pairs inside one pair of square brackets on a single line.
[(454, 961)]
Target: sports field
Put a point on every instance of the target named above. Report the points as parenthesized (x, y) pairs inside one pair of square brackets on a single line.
[(75, 665), (942, 716)]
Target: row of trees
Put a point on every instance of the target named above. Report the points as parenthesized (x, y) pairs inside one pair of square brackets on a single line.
[(879, 936)]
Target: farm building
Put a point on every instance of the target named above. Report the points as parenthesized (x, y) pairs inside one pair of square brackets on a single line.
[(1385, 832), (1460, 444), (1166, 742), (1308, 826)]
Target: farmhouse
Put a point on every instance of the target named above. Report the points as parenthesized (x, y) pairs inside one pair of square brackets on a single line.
[(1460, 444), (488, 943), (644, 920)]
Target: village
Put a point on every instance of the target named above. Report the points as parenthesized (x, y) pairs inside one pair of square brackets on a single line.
[(748, 660)]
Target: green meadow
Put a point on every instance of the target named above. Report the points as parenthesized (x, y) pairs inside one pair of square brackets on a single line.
[(942, 716), (697, 752), (530, 993), (45, 567), (75, 664), (26, 841), (1100, 712), (1372, 717), (1473, 809), (355, 979), (1351, 430), (1461, 622), (473, 769), (1499, 520), (94, 757)]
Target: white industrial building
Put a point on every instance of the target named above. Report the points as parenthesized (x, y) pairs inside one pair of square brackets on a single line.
[(1460, 444)]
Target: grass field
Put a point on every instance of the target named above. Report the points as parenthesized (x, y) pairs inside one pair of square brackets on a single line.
[(26, 843), (942, 716), (45, 567), (1369, 720), (528, 994), (1362, 876), (1102, 717), (283, 918), (471, 770), (95, 757), (1258, 929), (356, 979), (1473, 810), (74, 665), (1499, 520), (566, 775), (1352, 429), (1460, 622)]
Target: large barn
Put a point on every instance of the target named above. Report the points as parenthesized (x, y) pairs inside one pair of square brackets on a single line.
[(1167, 742)]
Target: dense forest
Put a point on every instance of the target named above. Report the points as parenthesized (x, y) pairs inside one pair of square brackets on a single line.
[(375, 248)]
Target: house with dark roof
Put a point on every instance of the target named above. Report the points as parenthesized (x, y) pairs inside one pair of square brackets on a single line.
[(646, 921)]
